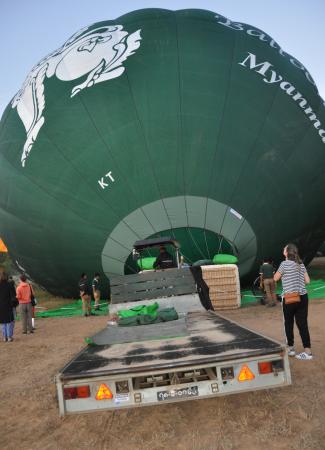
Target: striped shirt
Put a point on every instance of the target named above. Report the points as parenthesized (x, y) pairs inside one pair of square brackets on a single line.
[(292, 277)]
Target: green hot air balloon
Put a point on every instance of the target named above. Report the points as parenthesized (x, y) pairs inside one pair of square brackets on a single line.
[(161, 123)]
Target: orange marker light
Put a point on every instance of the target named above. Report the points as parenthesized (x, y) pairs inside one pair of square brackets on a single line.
[(3, 248), (104, 393), (245, 374)]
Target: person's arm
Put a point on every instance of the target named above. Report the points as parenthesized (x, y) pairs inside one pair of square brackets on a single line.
[(18, 293), (261, 280), (157, 263), (278, 274), (261, 276), (12, 290), (82, 288), (306, 277)]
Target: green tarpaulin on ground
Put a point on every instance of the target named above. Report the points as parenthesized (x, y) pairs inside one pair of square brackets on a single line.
[(70, 310), (316, 289)]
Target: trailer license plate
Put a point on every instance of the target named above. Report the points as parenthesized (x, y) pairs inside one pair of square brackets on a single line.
[(191, 391)]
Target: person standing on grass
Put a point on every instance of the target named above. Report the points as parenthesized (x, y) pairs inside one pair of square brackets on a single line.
[(6, 308), (85, 294), (96, 291), (24, 296), (294, 278), (267, 281)]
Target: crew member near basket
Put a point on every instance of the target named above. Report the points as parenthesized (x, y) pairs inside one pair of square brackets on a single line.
[(164, 260), (294, 278), (266, 274), (85, 294)]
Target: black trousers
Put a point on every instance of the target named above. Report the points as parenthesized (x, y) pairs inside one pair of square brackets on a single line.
[(297, 312)]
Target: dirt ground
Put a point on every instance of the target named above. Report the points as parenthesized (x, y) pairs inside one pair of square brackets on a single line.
[(286, 418)]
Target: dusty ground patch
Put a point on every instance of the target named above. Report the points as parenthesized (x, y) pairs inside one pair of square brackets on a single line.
[(287, 418)]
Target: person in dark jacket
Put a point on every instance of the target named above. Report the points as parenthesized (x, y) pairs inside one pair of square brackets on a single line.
[(15, 302), (266, 273), (164, 260), (6, 308), (85, 294)]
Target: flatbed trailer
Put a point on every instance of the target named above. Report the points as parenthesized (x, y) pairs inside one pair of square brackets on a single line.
[(200, 355)]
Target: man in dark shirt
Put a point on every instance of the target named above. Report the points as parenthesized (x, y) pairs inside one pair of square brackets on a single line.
[(164, 260), (266, 274), (85, 294)]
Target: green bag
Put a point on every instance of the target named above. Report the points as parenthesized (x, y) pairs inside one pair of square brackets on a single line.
[(138, 310), (167, 314), (128, 321), (147, 319), (222, 258), (146, 263)]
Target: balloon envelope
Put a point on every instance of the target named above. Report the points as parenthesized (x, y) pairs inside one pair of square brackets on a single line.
[(161, 123)]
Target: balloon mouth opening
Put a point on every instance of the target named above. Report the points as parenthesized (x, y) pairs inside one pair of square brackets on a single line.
[(197, 245), (204, 227)]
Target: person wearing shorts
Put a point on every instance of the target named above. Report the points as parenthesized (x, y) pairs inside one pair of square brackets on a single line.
[(85, 294), (266, 274), (96, 290)]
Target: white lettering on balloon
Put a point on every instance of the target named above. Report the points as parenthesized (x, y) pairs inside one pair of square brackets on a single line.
[(105, 181), (270, 76), (264, 38), (96, 54)]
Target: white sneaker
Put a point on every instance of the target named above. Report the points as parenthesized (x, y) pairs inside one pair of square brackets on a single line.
[(291, 351), (304, 355)]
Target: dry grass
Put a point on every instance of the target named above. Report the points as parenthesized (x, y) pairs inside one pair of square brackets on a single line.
[(290, 418), (48, 301)]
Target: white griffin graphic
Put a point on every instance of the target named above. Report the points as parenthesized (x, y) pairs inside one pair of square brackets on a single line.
[(97, 53)]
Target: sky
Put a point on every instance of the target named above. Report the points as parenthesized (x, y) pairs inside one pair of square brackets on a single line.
[(30, 29)]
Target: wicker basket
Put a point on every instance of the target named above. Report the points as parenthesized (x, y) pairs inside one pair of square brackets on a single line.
[(224, 286)]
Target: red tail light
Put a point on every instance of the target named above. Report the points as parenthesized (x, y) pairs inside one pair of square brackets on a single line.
[(71, 393), (265, 367)]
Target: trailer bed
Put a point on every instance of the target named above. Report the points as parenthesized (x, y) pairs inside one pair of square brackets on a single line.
[(210, 337), (200, 355)]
